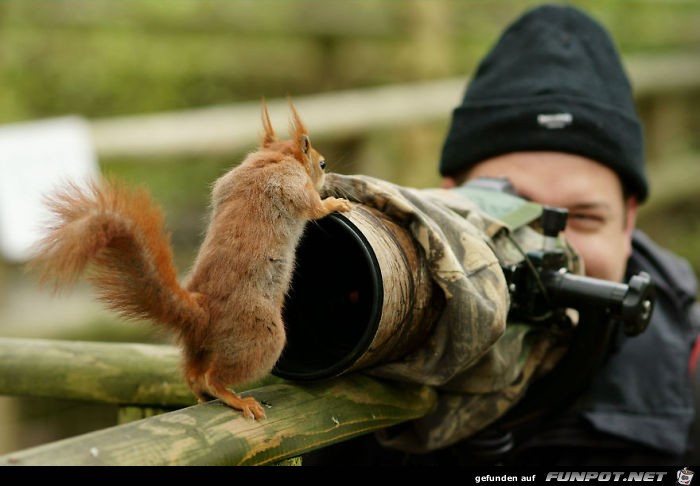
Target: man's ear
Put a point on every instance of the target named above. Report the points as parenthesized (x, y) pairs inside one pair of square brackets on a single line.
[(631, 207)]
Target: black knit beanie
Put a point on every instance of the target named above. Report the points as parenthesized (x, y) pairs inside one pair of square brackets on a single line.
[(554, 81)]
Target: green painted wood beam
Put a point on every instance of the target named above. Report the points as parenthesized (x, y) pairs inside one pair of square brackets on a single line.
[(300, 418), (121, 373)]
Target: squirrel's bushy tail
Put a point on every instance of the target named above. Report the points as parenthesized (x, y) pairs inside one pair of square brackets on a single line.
[(119, 234)]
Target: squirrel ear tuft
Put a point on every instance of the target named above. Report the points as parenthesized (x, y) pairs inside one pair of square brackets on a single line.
[(304, 144), (269, 135), (297, 129)]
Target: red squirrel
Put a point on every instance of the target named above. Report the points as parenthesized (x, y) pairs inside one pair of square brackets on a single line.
[(228, 316)]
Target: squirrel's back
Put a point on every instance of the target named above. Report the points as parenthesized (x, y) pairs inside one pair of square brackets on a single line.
[(254, 229)]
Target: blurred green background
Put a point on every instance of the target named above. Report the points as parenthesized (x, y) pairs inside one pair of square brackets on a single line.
[(101, 59)]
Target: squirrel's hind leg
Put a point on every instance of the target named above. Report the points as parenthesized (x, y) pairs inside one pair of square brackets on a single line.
[(207, 386), (249, 406)]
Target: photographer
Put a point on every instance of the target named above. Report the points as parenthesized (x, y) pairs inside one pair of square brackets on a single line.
[(551, 108)]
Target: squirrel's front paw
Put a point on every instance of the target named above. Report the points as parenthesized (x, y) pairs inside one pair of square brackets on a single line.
[(337, 204)]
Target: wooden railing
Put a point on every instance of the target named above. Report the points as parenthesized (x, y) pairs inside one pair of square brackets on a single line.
[(163, 426), (236, 128)]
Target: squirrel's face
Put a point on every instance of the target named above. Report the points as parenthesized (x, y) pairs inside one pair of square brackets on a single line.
[(298, 146), (315, 162)]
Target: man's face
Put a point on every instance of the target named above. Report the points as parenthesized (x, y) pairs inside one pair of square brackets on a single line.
[(600, 221)]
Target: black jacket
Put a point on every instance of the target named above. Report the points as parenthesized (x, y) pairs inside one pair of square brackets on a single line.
[(643, 393), (639, 408)]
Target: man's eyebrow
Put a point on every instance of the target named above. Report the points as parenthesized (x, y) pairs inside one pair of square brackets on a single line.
[(581, 206)]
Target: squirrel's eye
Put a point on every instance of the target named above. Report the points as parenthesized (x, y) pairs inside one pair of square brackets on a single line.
[(322, 163)]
